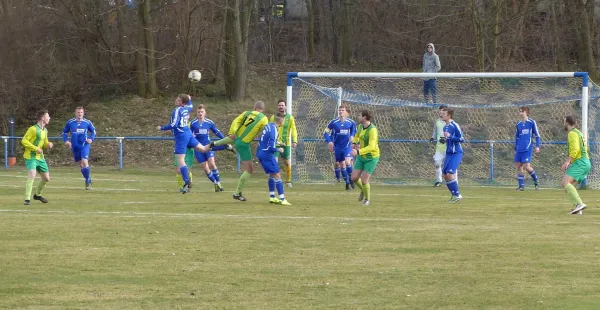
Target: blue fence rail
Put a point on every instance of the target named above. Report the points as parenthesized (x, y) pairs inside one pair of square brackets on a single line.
[(121, 140)]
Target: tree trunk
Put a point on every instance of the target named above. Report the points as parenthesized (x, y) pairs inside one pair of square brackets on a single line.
[(151, 86), (479, 38), (345, 30), (311, 29), (334, 32), (229, 50), (586, 44), (121, 34), (222, 43), (556, 40), (497, 4)]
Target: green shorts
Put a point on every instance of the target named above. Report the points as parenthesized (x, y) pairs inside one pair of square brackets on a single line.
[(287, 153), (367, 165), (39, 165), (579, 169), (189, 158), (243, 149)]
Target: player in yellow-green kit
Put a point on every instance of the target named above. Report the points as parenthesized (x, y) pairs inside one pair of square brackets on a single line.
[(366, 149), (288, 138), (34, 142), (243, 130), (577, 166)]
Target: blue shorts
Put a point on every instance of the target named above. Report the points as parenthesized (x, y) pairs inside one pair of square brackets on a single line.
[(451, 163), (524, 157), (202, 157), (342, 154), (269, 164), (80, 153), (183, 141)]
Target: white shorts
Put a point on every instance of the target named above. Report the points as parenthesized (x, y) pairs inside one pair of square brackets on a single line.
[(438, 158)]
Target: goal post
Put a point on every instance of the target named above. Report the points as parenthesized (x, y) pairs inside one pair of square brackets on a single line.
[(486, 106)]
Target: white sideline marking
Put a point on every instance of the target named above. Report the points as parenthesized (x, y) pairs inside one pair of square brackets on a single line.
[(81, 178), (99, 188)]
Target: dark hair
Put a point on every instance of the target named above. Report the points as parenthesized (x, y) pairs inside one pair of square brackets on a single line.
[(366, 114), (524, 109), (279, 117), (201, 106), (443, 106), (281, 100), (40, 114), (449, 111), (79, 108), (570, 120), (184, 98)]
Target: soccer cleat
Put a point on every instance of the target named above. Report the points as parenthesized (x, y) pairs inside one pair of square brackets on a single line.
[(366, 202), (347, 186), (437, 184), (217, 188), (352, 185), (186, 188), (455, 199), (284, 202), (288, 184), (27, 202), (88, 185), (520, 189), (40, 198), (537, 185), (211, 144), (361, 197), (190, 185), (578, 207), (231, 149), (221, 188), (274, 200), (239, 197), (338, 181)]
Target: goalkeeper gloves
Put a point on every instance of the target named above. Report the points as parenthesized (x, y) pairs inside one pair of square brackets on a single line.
[(442, 140)]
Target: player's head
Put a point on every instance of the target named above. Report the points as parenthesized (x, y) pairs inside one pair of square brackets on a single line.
[(446, 114), (43, 116), (344, 110), (185, 98), (259, 106), (179, 100), (279, 118), (442, 106), (201, 112), (365, 116), (281, 106), (79, 113), (570, 122), (524, 112)]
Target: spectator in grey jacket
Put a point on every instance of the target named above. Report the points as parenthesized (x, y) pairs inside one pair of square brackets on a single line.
[(431, 63)]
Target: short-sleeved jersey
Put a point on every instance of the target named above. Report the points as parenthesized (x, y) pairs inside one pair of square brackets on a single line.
[(267, 144), (202, 129), (577, 145), (453, 142), (179, 121), (525, 130), (287, 130), (34, 138), (438, 132), (80, 131), (248, 125), (340, 132), (368, 138)]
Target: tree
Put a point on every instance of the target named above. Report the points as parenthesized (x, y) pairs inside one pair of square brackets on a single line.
[(145, 61)]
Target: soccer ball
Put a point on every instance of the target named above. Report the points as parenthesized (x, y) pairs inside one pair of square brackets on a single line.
[(194, 76)]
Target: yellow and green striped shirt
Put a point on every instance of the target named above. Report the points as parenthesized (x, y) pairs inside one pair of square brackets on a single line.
[(369, 141), (577, 146), (286, 129), (34, 138), (248, 125)]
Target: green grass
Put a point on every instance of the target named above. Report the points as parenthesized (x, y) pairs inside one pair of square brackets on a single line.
[(135, 242)]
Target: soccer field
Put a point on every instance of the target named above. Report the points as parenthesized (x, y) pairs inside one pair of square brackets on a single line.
[(134, 242)]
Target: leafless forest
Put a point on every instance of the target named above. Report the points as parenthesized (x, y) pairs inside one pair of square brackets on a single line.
[(58, 53)]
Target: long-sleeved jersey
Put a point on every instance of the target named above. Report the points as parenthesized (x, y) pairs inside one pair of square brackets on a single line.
[(247, 125), (524, 135), (453, 142), (268, 141), (340, 132), (179, 121), (79, 131), (34, 137), (287, 130), (201, 130), (438, 132), (369, 141)]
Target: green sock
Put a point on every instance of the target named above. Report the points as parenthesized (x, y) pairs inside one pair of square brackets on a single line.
[(242, 182), (367, 191), (28, 189), (572, 194), (40, 187), (179, 180), (360, 185), (224, 141)]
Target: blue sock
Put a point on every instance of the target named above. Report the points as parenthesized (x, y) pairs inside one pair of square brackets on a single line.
[(219, 147), (533, 176), (345, 175), (210, 176), (453, 187), (349, 170), (279, 185), (521, 179), (85, 171), (184, 174), (216, 175), (338, 172), (271, 184)]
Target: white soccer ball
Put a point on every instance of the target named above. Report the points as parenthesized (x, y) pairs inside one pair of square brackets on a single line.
[(194, 76)]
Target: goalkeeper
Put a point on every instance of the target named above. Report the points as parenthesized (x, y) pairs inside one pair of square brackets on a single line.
[(440, 147)]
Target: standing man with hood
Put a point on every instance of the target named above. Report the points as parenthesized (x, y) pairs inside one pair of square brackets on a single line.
[(431, 64)]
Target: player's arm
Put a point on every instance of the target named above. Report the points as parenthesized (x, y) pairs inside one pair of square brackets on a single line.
[(293, 130), (574, 149), (236, 124), (216, 131), (535, 131), (92, 131), (327, 132), (27, 138), (173, 123), (46, 143), (457, 135), (65, 132), (272, 141), (516, 136), (373, 142)]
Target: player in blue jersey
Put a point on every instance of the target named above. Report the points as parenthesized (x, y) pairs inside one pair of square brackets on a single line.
[(189, 154), (267, 148), (453, 137), (524, 147), (339, 134), (183, 138), (82, 133), (201, 128)]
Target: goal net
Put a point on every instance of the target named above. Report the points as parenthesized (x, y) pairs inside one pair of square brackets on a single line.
[(486, 107)]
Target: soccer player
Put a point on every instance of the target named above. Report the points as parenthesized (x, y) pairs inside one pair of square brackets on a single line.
[(440, 148), (267, 148), (453, 137), (82, 135), (367, 155), (243, 130), (34, 141), (189, 152), (577, 166), (200, 127), (183, 139), (526, 129), (339, 134), (286, 131)]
